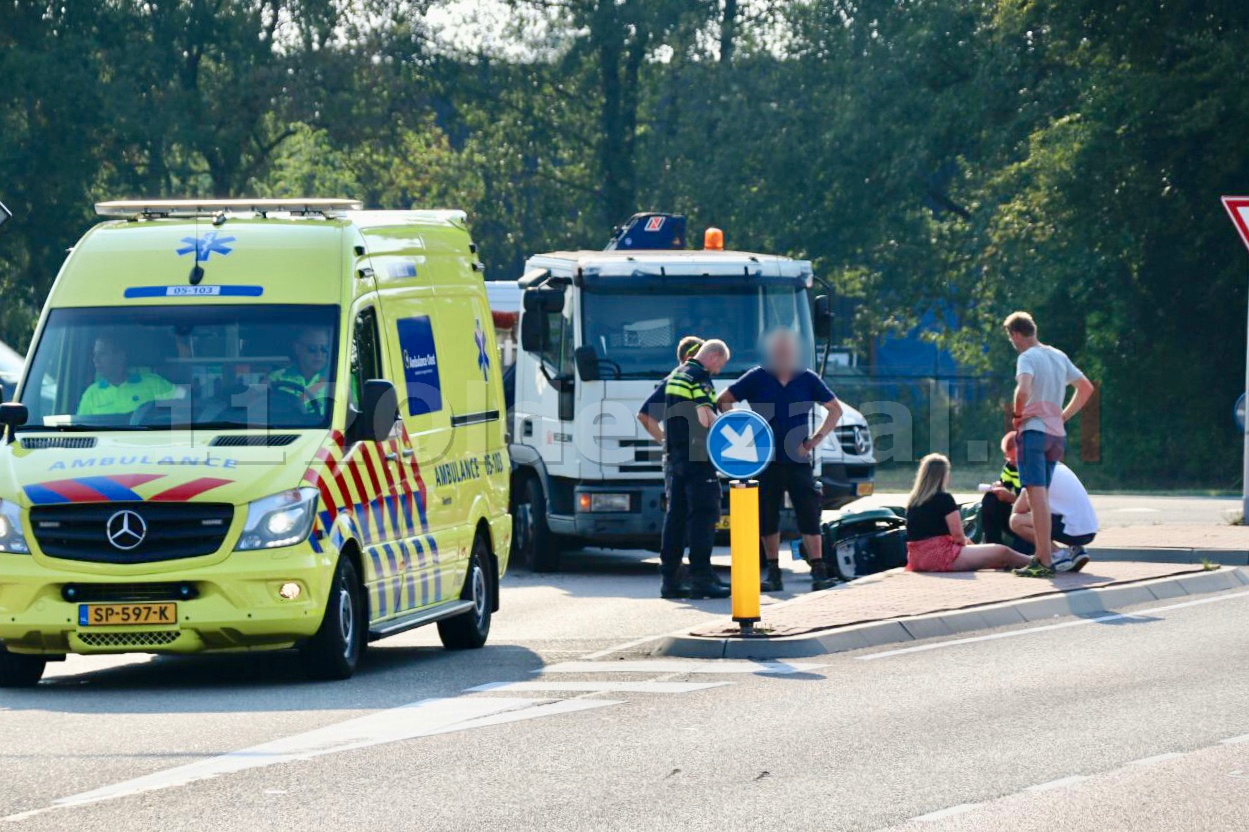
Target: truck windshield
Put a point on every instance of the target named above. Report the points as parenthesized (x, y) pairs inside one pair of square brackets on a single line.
[(166, 367), (638, 331)]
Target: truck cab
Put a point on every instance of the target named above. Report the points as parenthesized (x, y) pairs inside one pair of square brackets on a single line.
[(598, 332)]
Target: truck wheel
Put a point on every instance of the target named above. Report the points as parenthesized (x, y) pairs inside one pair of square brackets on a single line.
[(469, 630), (533, 545), (19, 671), (334, 651)]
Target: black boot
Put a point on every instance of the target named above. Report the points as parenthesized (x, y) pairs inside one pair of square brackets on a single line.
[(819, 576), (672, 586), (773, 582), (707, 585)]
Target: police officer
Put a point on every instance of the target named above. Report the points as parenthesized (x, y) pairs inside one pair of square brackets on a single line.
[(691, 485), (307, 377), (784, 393), (651, 413)]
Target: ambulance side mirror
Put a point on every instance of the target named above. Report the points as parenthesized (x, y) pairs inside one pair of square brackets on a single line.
[(12, 415), (379, 410)]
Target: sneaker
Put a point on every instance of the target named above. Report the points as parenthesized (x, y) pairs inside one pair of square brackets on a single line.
[(819, 576), (1062, 562), (707, 585), (1079, 558), (1035, 569), (773, 582)]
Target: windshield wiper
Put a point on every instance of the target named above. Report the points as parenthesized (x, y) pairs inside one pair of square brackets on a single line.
[(80, 428)]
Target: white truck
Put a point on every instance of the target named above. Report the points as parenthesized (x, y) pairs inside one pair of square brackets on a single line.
[(598, 331)]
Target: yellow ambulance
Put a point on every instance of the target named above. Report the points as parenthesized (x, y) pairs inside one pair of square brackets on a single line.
[(255, 424)]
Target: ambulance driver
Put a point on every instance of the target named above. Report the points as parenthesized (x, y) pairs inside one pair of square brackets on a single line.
[(118, 388), (307, 376)]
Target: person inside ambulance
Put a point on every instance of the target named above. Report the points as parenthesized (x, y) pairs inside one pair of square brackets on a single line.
[(118, 387), (307, 376)]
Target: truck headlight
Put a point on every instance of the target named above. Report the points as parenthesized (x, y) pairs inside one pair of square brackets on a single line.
[(12, 539), (604, 502), (280, 520)]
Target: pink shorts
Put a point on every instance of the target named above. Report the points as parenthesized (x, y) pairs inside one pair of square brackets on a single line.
[(936, 554)]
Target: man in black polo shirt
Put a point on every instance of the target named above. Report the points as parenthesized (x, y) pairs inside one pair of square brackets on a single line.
[(691, 486), (784, 393)]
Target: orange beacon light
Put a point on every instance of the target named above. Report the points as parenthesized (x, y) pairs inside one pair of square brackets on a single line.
[(713, 239)]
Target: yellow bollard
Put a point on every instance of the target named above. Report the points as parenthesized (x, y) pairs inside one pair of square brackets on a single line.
[(744, 542)]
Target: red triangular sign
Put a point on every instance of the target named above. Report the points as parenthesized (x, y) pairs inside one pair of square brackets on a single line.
[(1238, 209)]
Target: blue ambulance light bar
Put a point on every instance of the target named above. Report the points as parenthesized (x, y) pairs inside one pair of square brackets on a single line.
[(133, 208)]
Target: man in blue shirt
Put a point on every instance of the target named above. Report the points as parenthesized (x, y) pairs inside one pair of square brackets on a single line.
[(785, 393)]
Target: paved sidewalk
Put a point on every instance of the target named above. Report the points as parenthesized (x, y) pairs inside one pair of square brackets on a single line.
[(898, 594), (901, 606), (1228, 545)]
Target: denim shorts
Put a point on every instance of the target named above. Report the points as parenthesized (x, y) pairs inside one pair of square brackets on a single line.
[(1039, 452)]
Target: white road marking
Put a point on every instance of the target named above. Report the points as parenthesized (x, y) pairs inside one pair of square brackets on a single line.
[(716, 666), (1235, 740), (596, 687), (419, 719), (945, 813), (1157, 758), (1139, 510), (1057, 784), (1145, 613)]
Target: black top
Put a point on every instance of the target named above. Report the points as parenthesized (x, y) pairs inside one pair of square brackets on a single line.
[(928, 518), (787, 407), (687, 389)]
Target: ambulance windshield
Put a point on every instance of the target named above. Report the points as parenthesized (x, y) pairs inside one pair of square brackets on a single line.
[(186, 366), (637, 331)]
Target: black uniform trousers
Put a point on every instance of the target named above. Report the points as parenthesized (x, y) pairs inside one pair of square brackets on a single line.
[(692, 491)]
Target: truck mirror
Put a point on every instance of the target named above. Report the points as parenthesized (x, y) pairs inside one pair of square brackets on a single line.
[(823, 323), (12, 415), (379, 410), (549, 299), (533, 331), (587, 362)]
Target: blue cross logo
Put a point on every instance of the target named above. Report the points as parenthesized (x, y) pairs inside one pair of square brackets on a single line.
[(211, 243), (483, 356)]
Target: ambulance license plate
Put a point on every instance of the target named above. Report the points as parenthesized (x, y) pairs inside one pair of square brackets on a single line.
[(114, 615)]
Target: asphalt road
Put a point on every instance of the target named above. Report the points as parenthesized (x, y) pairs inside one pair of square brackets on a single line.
[(961, 734)]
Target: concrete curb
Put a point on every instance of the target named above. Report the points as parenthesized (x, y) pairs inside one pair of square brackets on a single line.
[(1080, 602), (1223, 557)]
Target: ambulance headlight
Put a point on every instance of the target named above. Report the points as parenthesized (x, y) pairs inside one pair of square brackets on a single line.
[(280, 520), (11, 537)]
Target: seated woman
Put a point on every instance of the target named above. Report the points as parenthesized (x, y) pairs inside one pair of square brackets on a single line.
[(935, 541)]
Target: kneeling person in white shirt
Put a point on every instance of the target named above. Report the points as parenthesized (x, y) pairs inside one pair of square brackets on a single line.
[(1074, 520)]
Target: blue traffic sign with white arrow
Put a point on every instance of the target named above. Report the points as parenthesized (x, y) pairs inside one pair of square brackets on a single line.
[(740, 444)]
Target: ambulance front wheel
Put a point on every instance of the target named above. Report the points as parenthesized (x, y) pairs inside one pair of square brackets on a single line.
[(335, 650), (18, 671), (469, 630), (534, 547)]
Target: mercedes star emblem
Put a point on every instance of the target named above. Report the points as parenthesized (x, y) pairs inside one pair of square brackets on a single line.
[(126, 530)]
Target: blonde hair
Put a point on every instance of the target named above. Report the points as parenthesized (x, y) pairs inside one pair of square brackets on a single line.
[(929, 479)]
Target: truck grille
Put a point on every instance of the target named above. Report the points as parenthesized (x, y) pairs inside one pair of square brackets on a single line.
[(648, 457), (173, 531)]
